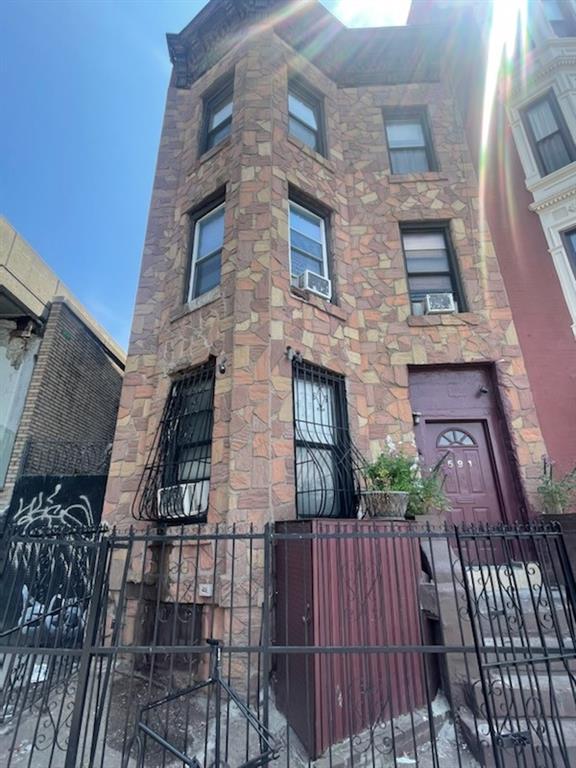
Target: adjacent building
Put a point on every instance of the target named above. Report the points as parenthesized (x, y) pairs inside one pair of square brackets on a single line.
[(317, 284), (60, 374)]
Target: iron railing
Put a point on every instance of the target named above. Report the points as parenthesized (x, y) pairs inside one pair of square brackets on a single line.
[(360, 643)]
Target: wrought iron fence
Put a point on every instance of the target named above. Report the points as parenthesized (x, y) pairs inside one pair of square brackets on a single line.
[(360, 643)]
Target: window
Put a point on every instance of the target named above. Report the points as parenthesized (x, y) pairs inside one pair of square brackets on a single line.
[(430, 266), (177, 478), (569, 239), (560, 18), (305, 116), (548, 134), (324, 478), (409, 141), (307, 242), (206, 252), (218, 115)]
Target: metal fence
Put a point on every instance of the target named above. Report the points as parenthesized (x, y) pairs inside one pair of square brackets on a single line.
[(365, 643)]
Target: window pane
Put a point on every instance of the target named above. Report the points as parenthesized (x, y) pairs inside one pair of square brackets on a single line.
[(211, 233), (553, 152), (305, 135), (409, 161), (207, 274), (220, 113), (306, 222), (428, 261), (218, 135), (300, 262), (429, 284), (553, 10), (194, 463), (424, 241), (316, 482), (303, 243), (314, 412), (542, 120), (405, 134), (302, 111)]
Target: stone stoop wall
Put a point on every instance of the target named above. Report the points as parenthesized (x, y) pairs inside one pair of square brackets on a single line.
[(367, 334)]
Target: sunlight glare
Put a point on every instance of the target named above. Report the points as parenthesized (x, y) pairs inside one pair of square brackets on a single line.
[(371, 13)]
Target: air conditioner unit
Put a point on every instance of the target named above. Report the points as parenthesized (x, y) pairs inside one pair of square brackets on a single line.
[(185, 500), (311, 281), (435, 303)]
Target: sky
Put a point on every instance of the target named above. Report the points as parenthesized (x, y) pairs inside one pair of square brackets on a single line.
[(82, 91)]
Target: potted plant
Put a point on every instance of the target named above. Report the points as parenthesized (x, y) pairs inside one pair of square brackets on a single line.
[(558, 495), (397, 487)]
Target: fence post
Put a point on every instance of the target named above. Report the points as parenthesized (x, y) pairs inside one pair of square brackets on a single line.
[(86, 655), (266, 617)]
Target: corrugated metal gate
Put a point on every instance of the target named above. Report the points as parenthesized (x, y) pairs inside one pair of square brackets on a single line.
[(364, 643)]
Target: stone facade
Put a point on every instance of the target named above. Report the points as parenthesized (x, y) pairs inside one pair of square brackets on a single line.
[(367, 333)]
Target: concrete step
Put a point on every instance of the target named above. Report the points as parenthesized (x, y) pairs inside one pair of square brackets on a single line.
[(530, 743), (521, 695)]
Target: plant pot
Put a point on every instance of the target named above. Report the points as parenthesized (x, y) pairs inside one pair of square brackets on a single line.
[(384, 503)]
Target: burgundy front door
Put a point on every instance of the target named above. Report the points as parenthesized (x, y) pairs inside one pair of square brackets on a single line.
[(470, 481)]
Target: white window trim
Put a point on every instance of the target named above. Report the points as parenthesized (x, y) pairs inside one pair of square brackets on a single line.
[(195, 245), (322, 220)]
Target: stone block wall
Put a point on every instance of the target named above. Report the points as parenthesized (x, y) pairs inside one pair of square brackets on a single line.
[(367, 334)]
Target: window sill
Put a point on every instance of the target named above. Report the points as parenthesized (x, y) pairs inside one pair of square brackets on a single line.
[(209, 154), (447, 318), (311, 153), (191, 306), (406, 178), (319, 303)]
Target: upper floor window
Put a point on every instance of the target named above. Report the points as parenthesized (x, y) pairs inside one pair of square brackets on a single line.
[(324, 475), (307, 242), (207, 243), (218, 115), (177, 478), (559, 15), (569, 238), (305, 116), (433, 280), (409, 141), (548, 134)]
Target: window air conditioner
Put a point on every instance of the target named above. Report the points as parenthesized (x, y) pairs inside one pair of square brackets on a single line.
[(435, 303), (184, 500), (310, 281)]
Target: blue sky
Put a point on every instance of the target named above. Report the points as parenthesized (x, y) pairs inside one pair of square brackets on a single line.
[(82, 86)]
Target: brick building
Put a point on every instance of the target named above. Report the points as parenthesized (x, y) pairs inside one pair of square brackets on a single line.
[(60, 372), (289, 143)]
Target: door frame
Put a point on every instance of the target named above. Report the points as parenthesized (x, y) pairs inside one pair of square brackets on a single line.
[(488, 409)]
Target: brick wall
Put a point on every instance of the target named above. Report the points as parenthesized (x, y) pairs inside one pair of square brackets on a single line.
[(368, 335), (74, 391)]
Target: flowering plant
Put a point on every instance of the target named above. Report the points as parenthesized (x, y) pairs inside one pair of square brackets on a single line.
[(396, 471)]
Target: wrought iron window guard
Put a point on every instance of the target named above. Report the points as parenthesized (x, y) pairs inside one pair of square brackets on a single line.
[(175, 483), (330, 471)]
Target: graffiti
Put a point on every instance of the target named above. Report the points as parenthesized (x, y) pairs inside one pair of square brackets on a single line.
[(44, 512)]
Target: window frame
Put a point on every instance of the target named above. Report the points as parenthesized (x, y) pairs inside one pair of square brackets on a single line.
[(419, 113), (563, 130), (324, 217), (314, 100), (442, 227), (207, 209), (569, 248), (217, 96), (340, 448)]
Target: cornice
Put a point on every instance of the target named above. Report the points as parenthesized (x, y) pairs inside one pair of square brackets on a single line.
[(540, 72), (552, 201)]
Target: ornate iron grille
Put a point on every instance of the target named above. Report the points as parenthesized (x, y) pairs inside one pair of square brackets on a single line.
[(327, 464), (176, 481)]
